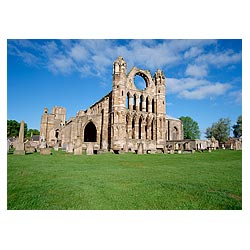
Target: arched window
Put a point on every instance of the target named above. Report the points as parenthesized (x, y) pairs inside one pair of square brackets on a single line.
[(134, 104), (141, 98), (90, 132), (153, 106), (127, 101), (57, 134), (147, 104), (133, 128), (140, 124), (141, 81), (175, 134)]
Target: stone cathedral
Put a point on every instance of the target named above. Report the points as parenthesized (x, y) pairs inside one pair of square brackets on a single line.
[(126, 119)]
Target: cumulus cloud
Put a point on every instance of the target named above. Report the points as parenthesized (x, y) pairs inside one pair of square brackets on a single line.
[(61, 64), (219, 59), (196, 70), (193, 52), (190, 88), (78, 53), (95, 57), (99, 53), (236, 97), (209, 91)]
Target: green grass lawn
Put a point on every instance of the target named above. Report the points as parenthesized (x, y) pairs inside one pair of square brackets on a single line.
[(126, 181)]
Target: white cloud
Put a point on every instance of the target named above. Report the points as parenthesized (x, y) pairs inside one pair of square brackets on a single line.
[(208, 91), (95, 57), (236, 96), (190, 88), (196, 71), (193, 52), (219, 59), (78, 53), (61, 64)]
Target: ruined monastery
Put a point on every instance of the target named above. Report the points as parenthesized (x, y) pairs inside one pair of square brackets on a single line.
[(126, 119)]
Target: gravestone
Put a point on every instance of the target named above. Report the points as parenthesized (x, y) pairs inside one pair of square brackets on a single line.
[(69, 148), (171, 151), (20, 144), (140, 148), (78, 147), (56, 147), (45, 151), (43, 144), (29, 148), (89, 150)]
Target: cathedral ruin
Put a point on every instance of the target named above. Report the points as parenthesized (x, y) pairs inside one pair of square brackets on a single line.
[(126, 119)]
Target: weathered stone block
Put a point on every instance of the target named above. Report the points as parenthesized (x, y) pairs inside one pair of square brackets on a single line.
[(89, 150), (45, 151), (78, 151), (19, 149)]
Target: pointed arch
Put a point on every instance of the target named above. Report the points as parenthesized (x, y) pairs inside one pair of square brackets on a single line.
[(153, 106), (140, 127), (133, 128), (128, 100), (147, 103), (134, 102), (152, 130), (90, 132), (175, 133)]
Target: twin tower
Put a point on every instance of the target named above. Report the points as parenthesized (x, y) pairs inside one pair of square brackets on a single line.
[(126, 119)]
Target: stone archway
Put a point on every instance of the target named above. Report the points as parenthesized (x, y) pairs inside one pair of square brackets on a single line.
[(90, 132), (144, 74), (175, 134)]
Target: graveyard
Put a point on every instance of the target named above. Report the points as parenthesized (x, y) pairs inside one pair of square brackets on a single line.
[(109, 181)]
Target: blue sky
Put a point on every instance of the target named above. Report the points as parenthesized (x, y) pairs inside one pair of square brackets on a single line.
[(203, 77)]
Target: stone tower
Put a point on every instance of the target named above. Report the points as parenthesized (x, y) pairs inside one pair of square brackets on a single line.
[(118, 118), (51, 125)]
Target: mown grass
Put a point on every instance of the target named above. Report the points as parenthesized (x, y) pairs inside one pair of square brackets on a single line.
[(125, 181)]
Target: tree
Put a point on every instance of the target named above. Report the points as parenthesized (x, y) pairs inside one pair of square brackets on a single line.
[(220, 130), (237, 128), (190, 128), (13, 128), (32, 132)]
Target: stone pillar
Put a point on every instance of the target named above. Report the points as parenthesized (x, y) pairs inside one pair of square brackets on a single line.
[(136, 128), (20, 144), (148, 131), (149, 105), (143, 104), (130, 102), (21, 132), (129, 127), (137, 103), (143, 129)]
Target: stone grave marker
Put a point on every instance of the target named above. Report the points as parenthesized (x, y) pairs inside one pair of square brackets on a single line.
[(20, 143)]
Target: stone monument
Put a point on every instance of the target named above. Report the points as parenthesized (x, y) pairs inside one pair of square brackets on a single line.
[(140, 149), (90, 149), (20, 143), (78, 147)]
